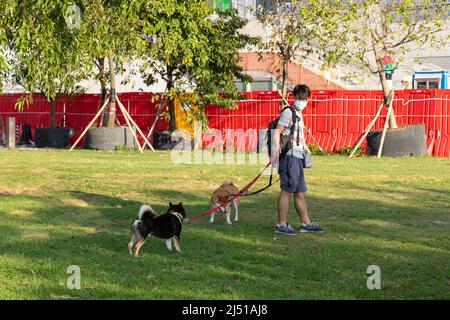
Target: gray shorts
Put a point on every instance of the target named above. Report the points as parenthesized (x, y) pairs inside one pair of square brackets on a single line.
[(292, 178)]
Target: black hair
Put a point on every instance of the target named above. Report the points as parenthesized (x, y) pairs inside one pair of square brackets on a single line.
[(302, 92)]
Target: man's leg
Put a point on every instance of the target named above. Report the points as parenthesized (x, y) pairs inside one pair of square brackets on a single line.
[(300, 207), (283, 206)]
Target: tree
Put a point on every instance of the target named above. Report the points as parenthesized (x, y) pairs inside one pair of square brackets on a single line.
[(294, 28), (193, 48), (364, 33), (46, 55), (109, 29), (6, 10)]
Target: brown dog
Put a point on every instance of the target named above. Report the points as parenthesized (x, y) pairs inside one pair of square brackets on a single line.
[(223, 194)]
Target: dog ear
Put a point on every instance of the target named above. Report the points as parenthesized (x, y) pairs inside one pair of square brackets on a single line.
[(180, 204), (170, 204)]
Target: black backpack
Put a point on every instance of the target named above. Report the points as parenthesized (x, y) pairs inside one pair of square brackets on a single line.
[(285, 140)]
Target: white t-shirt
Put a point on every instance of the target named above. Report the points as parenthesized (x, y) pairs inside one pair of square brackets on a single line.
[(286, 121)]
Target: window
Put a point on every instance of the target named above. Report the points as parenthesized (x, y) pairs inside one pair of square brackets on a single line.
[(256, 85), (262, 85), (421, 84), (269, 5), (244, 7), (433, 84), (427, 84)]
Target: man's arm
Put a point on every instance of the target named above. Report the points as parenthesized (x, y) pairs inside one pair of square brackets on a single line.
[(276, 143)]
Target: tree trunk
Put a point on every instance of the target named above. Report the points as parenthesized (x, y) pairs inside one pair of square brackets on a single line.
[(112, 98), (104, 117), (386, 93), (284, 83), (52, 113), (170, 85), (103, 90)]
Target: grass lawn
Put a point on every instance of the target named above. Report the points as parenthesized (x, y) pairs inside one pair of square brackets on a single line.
[(61, 208)]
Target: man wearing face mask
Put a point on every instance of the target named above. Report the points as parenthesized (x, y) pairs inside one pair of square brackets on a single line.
[(290, 164)]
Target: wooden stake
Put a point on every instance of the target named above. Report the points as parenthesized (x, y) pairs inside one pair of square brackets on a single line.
[(90, 124), (10, 132), (314, 139), (286, 103), (125, 112), (158, 113), (131, 128), (386, 125), (366, 132)]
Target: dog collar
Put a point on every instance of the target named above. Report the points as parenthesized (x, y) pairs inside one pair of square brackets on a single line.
[(179, 216)]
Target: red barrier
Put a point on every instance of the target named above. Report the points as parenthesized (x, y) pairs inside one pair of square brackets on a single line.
[(336, 117), (79, 111)]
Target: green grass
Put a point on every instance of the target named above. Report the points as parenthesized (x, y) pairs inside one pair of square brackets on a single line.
[(60, 208)]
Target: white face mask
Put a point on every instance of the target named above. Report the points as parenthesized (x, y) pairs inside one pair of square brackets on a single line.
[(300, 104)]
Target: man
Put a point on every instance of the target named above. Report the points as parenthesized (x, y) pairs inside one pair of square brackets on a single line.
[(406, 83), (290, 165)]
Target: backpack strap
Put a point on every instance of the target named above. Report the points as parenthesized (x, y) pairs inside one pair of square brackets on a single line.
[(294, 120)]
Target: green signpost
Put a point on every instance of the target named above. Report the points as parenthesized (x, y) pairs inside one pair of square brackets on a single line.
[(389, 66), (222, 4)]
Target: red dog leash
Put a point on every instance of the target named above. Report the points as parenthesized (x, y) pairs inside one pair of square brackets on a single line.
[(233, 197)]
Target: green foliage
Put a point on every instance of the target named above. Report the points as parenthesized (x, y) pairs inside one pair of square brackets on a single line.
[(293, 27), (315, 151), (125, 149), (362, 33), (111, 27), (194, 49), (187, 43), (46, 56), (51, 54), (6, 11), (346, 151), (293, 31), (22, 101)]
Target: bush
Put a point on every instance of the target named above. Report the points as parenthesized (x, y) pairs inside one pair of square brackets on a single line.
[(346, 151), (314, 149)]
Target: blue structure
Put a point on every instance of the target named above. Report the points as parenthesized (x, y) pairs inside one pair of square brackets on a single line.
[(431, 80)]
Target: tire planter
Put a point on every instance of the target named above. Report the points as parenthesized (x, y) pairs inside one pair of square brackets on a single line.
[(109, 138), (163, 141), (52, 137), (405, 141)]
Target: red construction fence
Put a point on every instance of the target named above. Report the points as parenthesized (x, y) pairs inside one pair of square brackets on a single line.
[(79, 110), (336, 118)]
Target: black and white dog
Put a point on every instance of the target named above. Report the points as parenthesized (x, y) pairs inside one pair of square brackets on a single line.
[(166, 226)]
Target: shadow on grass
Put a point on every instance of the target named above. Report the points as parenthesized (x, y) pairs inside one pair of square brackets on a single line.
[(242, 261), (406, 189)]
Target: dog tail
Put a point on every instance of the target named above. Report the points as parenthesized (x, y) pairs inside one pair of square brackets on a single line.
[(146, 211)]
